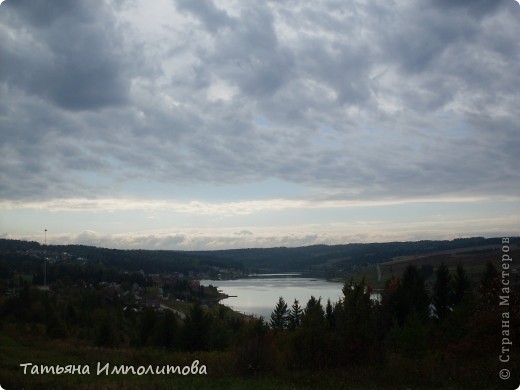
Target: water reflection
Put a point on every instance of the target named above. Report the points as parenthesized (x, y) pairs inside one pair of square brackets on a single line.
[(258, 295)]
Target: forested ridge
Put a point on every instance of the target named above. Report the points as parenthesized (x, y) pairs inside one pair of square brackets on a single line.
[(331, 259), (149, 261), (323, 260)]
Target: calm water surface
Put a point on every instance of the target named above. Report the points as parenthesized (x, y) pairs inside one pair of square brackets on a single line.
[(259, 295)]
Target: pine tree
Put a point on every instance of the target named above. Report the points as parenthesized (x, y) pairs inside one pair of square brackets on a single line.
[(355, 321), (461, 285), (314, 316), (106, 332), (165, 331), (490, 284), (147, 323), (196, 329), (295, 315), (442, 292), (309, 343), (411, 296), (490, 277), (279, 316), (330, 315)]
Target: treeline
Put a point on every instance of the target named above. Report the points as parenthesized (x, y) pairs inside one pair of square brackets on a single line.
[(457, 318), (318, 260), (101, 318), (457, 335), (61, 272), (150, 261), (97, 319), (332, 260)]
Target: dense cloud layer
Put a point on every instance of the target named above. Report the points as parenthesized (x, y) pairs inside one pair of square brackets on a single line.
[(348, 100)]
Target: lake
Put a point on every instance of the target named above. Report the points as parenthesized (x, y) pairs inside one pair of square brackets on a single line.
[(259, 294)]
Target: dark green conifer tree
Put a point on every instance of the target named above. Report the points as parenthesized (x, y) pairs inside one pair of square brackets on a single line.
[(489, 287), (106, 332), (411, 296), (147, 323), (295, 315), (165, 331), (279, 316), (196, 329), (309, 347), (313, 315), (461, 285), (442, 292), (330, 315), (356, 323)]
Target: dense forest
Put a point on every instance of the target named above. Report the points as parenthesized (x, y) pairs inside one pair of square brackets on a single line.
[(452, 335), (334, 260), (318, 260), (150, 261)]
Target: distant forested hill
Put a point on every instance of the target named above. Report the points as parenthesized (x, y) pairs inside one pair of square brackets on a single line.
[(323, 260), (333, 259), (150, 261)]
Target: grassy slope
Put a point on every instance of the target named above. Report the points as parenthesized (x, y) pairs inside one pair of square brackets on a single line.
[(473, 260), (399, 373)]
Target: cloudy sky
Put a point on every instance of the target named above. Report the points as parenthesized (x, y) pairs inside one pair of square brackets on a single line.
[(182, 124)]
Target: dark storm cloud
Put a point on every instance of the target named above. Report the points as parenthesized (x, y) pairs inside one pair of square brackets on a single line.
[(478, 8), (65, 51), (212, 17), (357, 100), (42, 13), (247, 51)]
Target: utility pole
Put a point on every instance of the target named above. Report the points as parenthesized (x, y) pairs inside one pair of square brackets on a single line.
[(45, 263)]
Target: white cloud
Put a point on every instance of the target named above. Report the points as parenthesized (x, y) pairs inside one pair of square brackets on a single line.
[(221, 90), (364, 231), (216, 209)]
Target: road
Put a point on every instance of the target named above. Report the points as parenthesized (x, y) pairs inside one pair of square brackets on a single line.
[(179, 313)]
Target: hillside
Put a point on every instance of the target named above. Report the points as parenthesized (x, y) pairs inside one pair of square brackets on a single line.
[(332, 261), (149, 261), (473, 259), (345, 260)]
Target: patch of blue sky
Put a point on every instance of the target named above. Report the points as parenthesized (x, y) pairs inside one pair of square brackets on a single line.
[(95, 178), (21, 221), (372, 129), (327, 130), (263, 121), (58, 222), (453, 125), (370, 135), (269, 188), (460, 130), (325, 138), (444, 115), (325, 142)]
